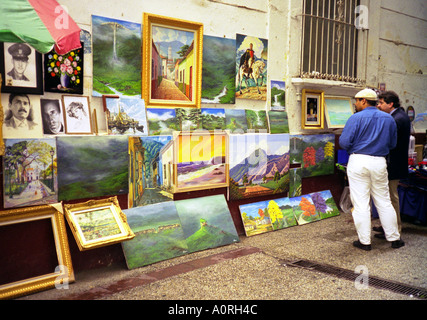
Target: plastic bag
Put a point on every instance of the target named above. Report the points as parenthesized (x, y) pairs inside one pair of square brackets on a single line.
[(345, 201)]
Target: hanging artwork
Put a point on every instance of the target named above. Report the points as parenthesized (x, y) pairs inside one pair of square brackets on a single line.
[(218, 76), (150, 170), (318, 154), (53, 117), (213, 118), (125, 115), (338, 110), (295, 148), (278, 95), (325, 204), (159, 235), (64, 73), (259, 165), (77, 114), (312, 109), (116, 47), (257, 121), (92, 166), (254, 219), (304, 209), (235, 121), (278, 121), (161, 121), (251, 67), (207, 222), (29, 172), (295, 182), (188, 119)]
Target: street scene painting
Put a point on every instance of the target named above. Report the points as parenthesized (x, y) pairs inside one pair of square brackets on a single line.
[(29, 172)]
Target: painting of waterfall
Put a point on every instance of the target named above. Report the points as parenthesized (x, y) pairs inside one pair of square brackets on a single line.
[(278, 95), (257, 121)]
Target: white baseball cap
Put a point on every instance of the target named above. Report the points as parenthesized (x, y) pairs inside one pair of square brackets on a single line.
[(367, 94)]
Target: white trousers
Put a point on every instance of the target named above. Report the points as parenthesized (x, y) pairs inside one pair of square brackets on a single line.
[(367, 177)]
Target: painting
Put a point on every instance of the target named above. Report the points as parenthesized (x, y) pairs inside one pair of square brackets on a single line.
[(278, 95), (281, 213), (213, 119), (64, 73), (318, 155), (257, 121), (77, 114), (420, 122), (21, 68), (235, 121), (278, 121), (325, 204), (259, 165), (150, 170), (312, 109), (188, 119), (52, 116), (116, 51), (254, 219), (218, 72), (29, 172), (125, 116), (159, 235), (295, 148), (22, 116), (201, 161), (338, 110), (251, 67), (206, 222), (304, 209), (51, 269), (295, 182), (161, 121), (172, 62), (80, 177)]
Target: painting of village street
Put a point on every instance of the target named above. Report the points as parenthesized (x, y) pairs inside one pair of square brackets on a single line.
[(29, 172), (259, 165)]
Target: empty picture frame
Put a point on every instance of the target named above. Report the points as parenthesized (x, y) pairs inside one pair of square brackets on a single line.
[(97, 223), (25, 231), (312, 109)]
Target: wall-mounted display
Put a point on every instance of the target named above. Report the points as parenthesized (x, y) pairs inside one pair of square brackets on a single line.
[(77, 114), (213, 119), (257, 121), (161, 121), (251, 67), (318, 154), (338, 110), (278, 121), (52, 268), (235, 121), (278, 95), (21, 68), (116, 50), (312, 109), (52, 116), (172, 62)]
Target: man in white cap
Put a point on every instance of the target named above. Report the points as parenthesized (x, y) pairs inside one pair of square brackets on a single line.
[(368, 136)]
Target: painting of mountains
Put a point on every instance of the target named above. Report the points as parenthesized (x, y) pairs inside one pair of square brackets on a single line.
[(92, 166), (116, 46), (213, 119), (259, 165), (161, 121), (325, 204), (207, 222)]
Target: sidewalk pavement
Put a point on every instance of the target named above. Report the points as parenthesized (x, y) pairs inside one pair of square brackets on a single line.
[(270, 266)]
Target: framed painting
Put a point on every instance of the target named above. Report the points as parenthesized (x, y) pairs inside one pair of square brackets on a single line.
[(64, 73), (21, 68), (312, 109), (23, 231), (1, 121), (178, 83), (97, 223), (337, 110), (52, 116), (77, 114)]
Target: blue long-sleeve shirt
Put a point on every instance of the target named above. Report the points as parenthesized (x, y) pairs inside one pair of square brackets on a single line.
[(370, 131)]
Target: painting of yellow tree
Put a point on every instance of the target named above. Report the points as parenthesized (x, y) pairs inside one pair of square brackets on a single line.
[(281, 213)]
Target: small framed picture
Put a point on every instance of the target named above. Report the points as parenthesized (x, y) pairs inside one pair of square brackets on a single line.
[(77, 114), (312, 109), (21, 68), (52, 116), (97, 223)]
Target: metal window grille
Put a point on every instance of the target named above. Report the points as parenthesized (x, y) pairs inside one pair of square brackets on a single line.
[(329, 43)]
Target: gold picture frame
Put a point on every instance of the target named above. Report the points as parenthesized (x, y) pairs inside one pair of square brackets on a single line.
[(312, 109), (2, 147), (97, 223), (36, 254), (183, 72)]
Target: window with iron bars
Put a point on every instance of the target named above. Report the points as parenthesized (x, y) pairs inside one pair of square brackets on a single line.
[(329, 43)]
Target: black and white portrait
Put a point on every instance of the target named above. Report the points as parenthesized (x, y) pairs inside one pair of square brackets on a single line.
[(53, 119), (20, 65), (77, 114)]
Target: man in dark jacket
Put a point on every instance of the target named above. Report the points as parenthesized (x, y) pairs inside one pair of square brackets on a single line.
[(397, 160)]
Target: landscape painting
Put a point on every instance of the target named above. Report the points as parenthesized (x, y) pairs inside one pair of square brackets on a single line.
[(254, 219), (325, 204), (213, 119), (295, 182), (295, 148), (126, 116), (92, 166), (278, 121), (158, 235), (207, 222), (259, 165), (257, 121), (281, 213), (218, 71), (318, 154), (338, 110), (188, 119), (116, 51), (304, 209), (29, 172), (201, 161), (278, 95), (161, 121), (235, 120)]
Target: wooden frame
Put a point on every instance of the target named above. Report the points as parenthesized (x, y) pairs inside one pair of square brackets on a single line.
[(30, 219), (312, 109), (77, 123), (337, 115), (33, 73), (184, 74), (107, 224)]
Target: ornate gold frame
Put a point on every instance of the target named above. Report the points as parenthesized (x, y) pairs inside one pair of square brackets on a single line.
[(49, 280), (71, 210), (319, 95), (150, 20), (2, 147)]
